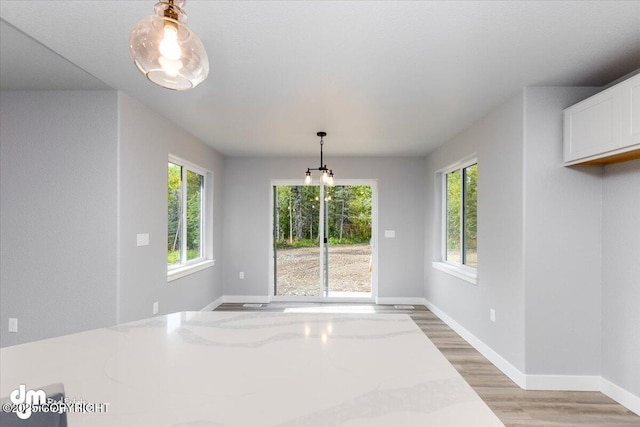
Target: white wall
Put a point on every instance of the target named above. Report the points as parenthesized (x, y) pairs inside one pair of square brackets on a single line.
[(82, 173), (247, 219), (558, 250), (58, 212), (621, 276), (497, 141), (562, 220), (146, 140)]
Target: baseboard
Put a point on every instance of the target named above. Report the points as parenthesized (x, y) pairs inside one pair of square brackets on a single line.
[(563, 382), (620, 395), (212, 305), (541, 382), (242, 299), (400, 300), (499, 362)]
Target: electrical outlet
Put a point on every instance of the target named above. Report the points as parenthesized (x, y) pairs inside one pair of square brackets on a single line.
[(155, 307), (13, 324), (492, 314), (241, 275), (142, 239), (390, 234)]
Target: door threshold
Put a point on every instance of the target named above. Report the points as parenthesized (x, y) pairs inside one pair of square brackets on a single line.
[(333, 309), (367, 298)]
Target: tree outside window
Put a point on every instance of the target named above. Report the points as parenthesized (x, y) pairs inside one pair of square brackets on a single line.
[(461, 216), (185, 201)]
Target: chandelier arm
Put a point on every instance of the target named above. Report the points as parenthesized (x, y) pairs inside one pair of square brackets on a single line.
[(327, 175)]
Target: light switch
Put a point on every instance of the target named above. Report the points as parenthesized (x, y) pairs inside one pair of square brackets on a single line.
[(142, 239), (13, 324), (390, 234)]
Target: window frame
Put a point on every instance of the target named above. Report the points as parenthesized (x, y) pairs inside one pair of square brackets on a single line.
[(460, 270), (186, 266)]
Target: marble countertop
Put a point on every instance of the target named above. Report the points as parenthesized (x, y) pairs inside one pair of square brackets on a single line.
[(252, 369)]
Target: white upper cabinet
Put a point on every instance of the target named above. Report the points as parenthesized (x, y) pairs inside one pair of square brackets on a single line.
[(631, 111), (604, 128)]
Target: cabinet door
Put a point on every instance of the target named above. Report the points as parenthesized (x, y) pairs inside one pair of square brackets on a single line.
[(592, 126), (631, 112)]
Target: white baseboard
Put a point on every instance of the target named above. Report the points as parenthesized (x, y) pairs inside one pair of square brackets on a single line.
[(243, 299), (541, 382), (620, 395), (401, 301), (563, 382), (507, 368), (212, 305)]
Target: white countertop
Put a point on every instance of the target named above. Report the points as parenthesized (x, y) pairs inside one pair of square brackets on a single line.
[(252, 369)]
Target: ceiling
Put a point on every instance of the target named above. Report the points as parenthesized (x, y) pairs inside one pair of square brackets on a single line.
[(382, 78)]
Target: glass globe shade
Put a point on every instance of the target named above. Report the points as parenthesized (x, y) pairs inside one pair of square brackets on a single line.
[(168, 53)]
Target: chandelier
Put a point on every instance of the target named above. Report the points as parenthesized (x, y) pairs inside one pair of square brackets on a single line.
[(166, 51), (327, 175)]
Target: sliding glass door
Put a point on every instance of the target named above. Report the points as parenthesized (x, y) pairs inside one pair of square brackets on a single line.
[(296, 246), (349, 252), (322, 241)]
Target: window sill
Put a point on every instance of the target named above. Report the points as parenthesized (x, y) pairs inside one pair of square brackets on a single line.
[(189, 269), (461, 273)]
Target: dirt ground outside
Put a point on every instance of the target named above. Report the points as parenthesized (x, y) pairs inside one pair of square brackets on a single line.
[(298, 270)]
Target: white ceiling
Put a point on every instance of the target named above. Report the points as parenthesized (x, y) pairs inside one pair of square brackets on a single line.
[(26, 64), (380, 77)]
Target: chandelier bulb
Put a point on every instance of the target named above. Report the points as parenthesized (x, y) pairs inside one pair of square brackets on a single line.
[(326, 177), (169, 47)]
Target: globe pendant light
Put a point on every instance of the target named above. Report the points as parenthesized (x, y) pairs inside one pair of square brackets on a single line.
[(166, 51)]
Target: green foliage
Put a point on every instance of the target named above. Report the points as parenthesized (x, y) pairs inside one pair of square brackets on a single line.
[(455, 202), (173, 257), (333, 241), (175, 188), (453, 211), (297, 243), (174, 199), (471, 209), (347, 210), (312, 243), (195, 183)]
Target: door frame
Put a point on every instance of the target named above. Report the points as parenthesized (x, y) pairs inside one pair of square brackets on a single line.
[(373, 183)]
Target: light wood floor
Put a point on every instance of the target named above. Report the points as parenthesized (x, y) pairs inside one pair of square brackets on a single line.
[(514, 406)]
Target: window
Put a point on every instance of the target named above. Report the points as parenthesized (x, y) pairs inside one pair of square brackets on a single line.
[(460, 215), (186, 243), (459, 254)]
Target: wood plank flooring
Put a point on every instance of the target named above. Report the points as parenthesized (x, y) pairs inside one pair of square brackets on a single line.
[(515, 407)]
